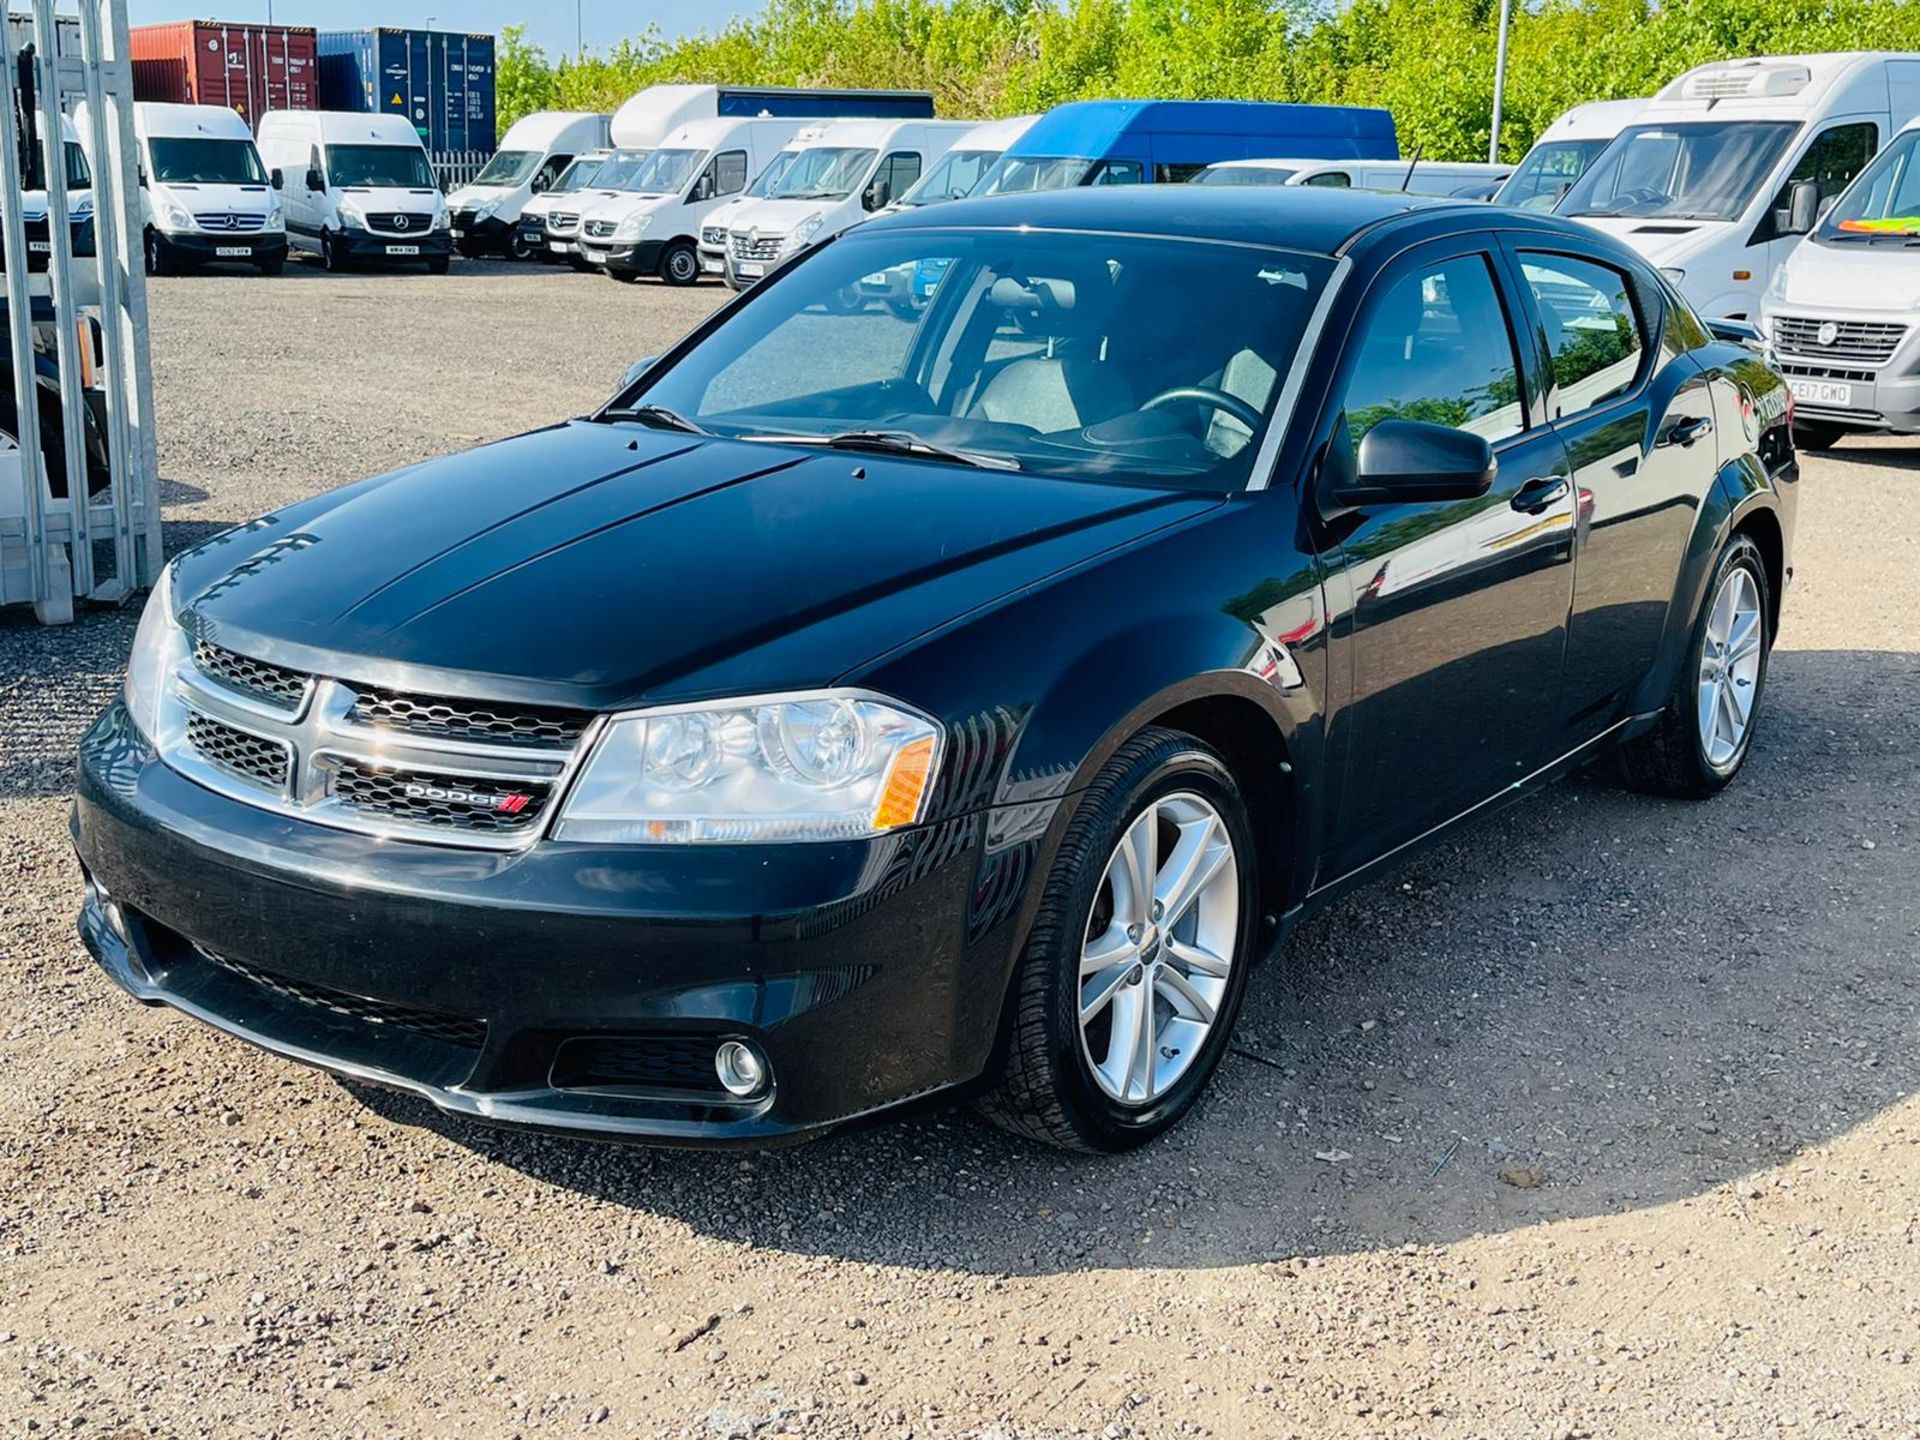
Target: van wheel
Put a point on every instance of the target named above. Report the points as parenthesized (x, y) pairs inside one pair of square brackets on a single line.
[(518, 247), (680, 265), (156, 254), (1126, 995), (330, 253)]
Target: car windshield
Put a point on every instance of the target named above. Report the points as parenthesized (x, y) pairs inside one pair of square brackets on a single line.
[(1547, 172), (395, 166), (1050, 353), (199, 160), (1245, 175), (1016, 174), (508, 168), (954, 176), (578, 175), (1706, 171), (1883, 203), (824, 172), (664, 171)]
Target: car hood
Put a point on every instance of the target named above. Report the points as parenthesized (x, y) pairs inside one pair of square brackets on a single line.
[(606, 565), (1871, 279)]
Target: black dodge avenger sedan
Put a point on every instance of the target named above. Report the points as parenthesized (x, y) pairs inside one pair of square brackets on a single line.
[(952, 700)]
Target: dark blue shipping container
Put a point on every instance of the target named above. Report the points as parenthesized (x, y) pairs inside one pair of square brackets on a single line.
[(787, 104), (443, 82)]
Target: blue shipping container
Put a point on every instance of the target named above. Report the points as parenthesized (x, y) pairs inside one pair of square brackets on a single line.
[(443, 82)]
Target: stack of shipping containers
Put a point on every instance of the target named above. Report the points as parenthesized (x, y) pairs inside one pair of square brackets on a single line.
[(253, 68), (441, 81)]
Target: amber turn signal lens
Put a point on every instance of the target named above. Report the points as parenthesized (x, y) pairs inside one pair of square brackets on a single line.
[(906, 786)]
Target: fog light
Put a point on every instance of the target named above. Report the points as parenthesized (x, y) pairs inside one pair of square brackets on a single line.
[(741, 1068)]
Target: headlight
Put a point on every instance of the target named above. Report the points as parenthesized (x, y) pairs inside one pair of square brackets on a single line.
[(442, 220), (275, 219), (802, 233), (1777, 286), (159, 645), (632, 227), (350, 210), (179, 219), (486, 211), (1676, 276), (833, 765)]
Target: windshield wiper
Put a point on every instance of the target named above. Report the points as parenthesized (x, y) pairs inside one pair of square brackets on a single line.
[(662, 417), (893, 442)]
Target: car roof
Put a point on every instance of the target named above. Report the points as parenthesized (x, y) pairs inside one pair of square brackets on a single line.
[(1298, 217)]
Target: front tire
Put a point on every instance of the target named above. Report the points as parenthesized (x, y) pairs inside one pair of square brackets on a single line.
[(680, 264), (1125, 997), (1705, 733), (518, 247), (157, 257), (331, 255)]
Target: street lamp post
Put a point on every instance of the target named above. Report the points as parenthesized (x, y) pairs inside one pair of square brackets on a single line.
[(1499, 81)]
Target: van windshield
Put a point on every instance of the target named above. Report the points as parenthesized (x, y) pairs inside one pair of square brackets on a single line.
[(665, 171), (953, 177), (769, 179), (618, 169), (1549, 170), (79, 176), (1018, 174), (199, 160), (1706, 171), (1883, 204), (1245, 175), (392, 166), (508, 168), (823, 172), (578, 175)]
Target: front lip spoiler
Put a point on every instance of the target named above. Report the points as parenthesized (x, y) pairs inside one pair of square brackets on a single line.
[(541, 1110)]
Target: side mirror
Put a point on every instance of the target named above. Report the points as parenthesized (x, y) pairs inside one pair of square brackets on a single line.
[(1410, 461), (275, 177), (1737, 332), (541, 183), (875, 195), (1803, 207), (316, 182), (638, 368)]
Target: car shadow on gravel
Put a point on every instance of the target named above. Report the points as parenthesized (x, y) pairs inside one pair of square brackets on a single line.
[(1594, 1002)]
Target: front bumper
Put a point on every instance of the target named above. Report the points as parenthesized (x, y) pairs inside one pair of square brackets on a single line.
[(1860, 394), (39, 246), (543, 987), (641, 257), (357, 244), (200, 248)]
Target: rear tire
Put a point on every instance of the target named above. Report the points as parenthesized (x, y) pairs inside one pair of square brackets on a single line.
[(1816, 434), (1071, 998), (1704, 734), (680, 264)]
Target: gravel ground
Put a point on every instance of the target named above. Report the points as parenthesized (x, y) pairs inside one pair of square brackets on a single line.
[(1598, 1121)]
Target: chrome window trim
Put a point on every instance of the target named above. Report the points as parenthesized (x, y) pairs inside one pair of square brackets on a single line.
[(1261, 476)]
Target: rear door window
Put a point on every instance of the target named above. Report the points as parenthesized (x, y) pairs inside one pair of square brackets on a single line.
[(1595, 339)]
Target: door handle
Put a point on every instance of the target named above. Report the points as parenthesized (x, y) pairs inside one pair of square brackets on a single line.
[(1685, 432), (1537, 494)]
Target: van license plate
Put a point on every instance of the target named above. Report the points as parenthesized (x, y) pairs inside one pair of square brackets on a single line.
[(748, 271), (1821, 392), (234, 252), (40, 247), (403, 249), (594, 257), (558, 247), (711, 266)]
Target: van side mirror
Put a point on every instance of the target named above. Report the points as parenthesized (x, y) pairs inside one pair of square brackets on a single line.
[(277, 178), (876, 195), (316, 181), (1803, 207), (541, 183), (1409, 461)]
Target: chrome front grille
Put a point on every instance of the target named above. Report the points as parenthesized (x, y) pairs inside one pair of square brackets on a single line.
[(249, 757), (598, 229), (228, 220), (384, 762), (270, 684), (714, 236), (562, 222), (400, 222), (747, 246), (1868, 342)]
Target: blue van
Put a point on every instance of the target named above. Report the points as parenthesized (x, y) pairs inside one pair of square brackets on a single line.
[(1133, 142)]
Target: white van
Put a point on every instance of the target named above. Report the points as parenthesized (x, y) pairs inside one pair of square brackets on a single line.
[(563, 194), (204, 193), (355, 187), (1842, 316), (654, 228), (966, 164), (532, 154), (713, 234), (1565, 149), (33, 206), (847, 171), (1727, 167), (1413, 176)]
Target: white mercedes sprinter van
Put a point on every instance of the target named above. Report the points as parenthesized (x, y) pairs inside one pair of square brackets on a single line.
[(848, 170), (1728, 166), (1563, 151), (1842, 315), (355, 187), (713, 234), (562, 195), (654, 227), (204, 194), (33, 206), (532, 155)]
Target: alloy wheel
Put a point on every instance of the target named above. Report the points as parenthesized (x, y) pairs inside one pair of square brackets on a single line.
[(1730, 659), (1158, 948)]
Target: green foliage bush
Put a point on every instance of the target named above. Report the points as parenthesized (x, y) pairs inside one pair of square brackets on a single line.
[(1429, 61)]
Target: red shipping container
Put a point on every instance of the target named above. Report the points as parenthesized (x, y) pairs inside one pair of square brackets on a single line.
[(253, 68)]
